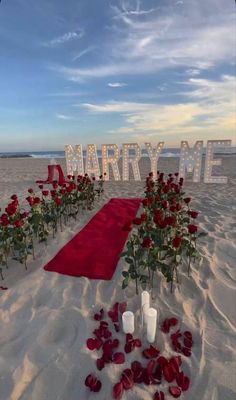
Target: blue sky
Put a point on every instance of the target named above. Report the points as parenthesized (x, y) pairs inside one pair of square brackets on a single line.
[(99, 71)]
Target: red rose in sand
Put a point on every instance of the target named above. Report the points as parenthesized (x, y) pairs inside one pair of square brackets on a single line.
[(194, 214), (147, 243), (177, 242), (192, 228), (165, 204), (14, 197), (30, 190), (178, 207), (145, 202), (25, 214), (45, 192), (176, 174), (19, 223), (4, 220)]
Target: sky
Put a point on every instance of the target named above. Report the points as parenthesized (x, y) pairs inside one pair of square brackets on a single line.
[(116, 71)]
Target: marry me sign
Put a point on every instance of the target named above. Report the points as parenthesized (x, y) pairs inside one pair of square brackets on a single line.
[(190, 160)]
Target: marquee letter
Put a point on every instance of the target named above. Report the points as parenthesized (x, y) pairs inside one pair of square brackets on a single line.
[(154, 155), (133, 160), (74, 160), (92, 165), (110, 159), (209, 162), (191, 159)]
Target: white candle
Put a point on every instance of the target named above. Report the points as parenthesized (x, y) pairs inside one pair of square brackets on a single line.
[(145, 298), (151, 316), (144, 312), (128, 322), (145, 305)]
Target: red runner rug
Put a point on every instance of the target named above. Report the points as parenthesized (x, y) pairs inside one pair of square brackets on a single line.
[(94, 252)]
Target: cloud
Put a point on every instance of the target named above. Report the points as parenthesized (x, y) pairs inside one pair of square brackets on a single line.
[(193, 71), (64, 117), (83, 52), (148, 41), (116, 84), (64, 38), (208, 111)]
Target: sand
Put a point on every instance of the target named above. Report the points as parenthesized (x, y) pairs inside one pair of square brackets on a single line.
[(45, 318)]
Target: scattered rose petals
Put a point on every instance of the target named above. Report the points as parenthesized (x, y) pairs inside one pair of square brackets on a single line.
[(186, 351), (100, 363), (175, 391), (118, 391), (3, 288), (168, 373)]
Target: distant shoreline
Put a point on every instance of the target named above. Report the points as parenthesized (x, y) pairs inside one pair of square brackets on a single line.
[(7, 156)]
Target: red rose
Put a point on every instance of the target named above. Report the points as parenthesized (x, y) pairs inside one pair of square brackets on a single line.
[(45, 192), (11, 209), (53, 193), (62, 191), (55, 185), (128, 226), (147, 242), (30, 190), (164, 204), (19, 223), (192, 228), (166, 189), (14, 197), (172, 209), (57, 201), (25, 214), (194, 214), (150, 174), (30, 200), (176, 174), (4, 220), (178, 207), (137, 221), (69, 189), (177, 242), (145, 202), (171, 221), (187, 200), (143, 217), (37, 200), (40, 187)]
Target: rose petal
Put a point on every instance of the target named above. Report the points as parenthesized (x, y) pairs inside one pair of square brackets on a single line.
[(136, 366), (186, 351), (165, 326), (122, 307), (150, 366), (100, 363), (188, 343), (185, 384), (97, 386), (118, 391), (173, 321), (137, 343), (152, 352), (162, 361), (93, 344), (89, 381), (127, 379), (159, 396), (99, 315), (188, 335), (175, 391), (129, 347), (119, 358), (129, 338), (115, 343), (168, 373)]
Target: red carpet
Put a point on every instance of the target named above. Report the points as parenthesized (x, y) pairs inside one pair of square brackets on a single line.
[(94, 252)]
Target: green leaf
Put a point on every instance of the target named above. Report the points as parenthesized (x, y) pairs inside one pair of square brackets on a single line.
[(125, 274), (129, 260)]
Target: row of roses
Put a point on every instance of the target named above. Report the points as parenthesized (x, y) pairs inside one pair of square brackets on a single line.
[(165, 234), (44, 213)]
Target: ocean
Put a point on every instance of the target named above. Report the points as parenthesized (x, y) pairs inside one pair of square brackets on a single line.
[(165, 152)]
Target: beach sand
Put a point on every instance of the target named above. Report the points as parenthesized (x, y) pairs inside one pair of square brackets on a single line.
[(45, 318)]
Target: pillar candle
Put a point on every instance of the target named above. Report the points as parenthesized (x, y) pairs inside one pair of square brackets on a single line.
[(145, 298), (151, 316), (128, 322)]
